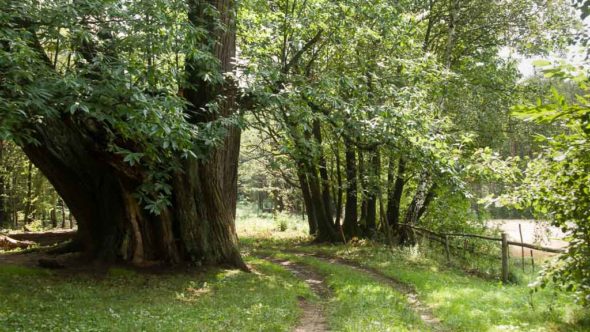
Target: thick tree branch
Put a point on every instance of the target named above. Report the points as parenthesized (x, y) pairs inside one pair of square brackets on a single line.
[(295, 59)]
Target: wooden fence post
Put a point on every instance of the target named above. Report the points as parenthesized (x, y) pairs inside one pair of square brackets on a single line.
[(504, 257), (521, 247), (447, 251)]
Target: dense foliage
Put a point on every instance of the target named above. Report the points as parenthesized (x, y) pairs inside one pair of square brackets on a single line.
[(557, 182)]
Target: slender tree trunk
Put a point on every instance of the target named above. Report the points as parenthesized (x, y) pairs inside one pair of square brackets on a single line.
[(350, 224), (373, 191), (323, 171), (395, 192), (418, 200), (422, 198), (326, 231), (13, 203), (63, 213), (260, 195), (29, 197), (339, 190), (307, 201), (430, 195), (3, 214), (363, 190), (53, 217)]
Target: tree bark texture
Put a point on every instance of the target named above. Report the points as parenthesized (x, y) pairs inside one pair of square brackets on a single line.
[(350, 224), (99, 188), (373, 184), (323, 170), (309, 209), (395, 192), (422, 198), (3, 210)]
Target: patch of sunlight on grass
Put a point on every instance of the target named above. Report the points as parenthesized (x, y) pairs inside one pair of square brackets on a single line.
[(253, 224), (361, 303), (131, 301), (467, 303), (464, 302)]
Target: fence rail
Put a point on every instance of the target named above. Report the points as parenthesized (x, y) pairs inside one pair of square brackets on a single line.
[(443, 238)]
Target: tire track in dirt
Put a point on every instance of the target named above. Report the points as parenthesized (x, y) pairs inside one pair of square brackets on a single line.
[(313, 318), (423, 311)]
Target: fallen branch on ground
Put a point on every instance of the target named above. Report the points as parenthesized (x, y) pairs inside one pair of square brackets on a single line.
[(8, 243)]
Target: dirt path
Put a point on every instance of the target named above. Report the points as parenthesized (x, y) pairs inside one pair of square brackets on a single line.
[(313, 319), (420, 308)]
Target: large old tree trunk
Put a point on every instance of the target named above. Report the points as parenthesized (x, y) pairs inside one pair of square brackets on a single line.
[(99, 188)]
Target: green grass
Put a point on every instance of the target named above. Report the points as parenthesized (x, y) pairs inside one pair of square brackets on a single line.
[(252, 224), (34, 299), (468, 303), (361, 303), (124, 300), (463, 302)]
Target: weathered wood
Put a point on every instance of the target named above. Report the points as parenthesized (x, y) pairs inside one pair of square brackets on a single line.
[(521, 247), (454, 234), (8, 243), (526, 245), (45, 238), (489, 238), (532, 261), (505, 258), (537, 247), (471, 250)]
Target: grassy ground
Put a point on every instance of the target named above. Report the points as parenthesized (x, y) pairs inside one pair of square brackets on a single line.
[(123, 300), (360, 303), (251, 225), (462, 301), (33, 299)]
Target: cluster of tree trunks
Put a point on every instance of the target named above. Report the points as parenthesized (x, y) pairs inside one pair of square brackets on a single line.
[(363, 193)]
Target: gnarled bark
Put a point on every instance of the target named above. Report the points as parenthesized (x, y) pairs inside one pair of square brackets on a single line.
[(99, 188)]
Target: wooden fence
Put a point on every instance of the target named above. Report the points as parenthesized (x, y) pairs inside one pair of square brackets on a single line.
[(443, 238)]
